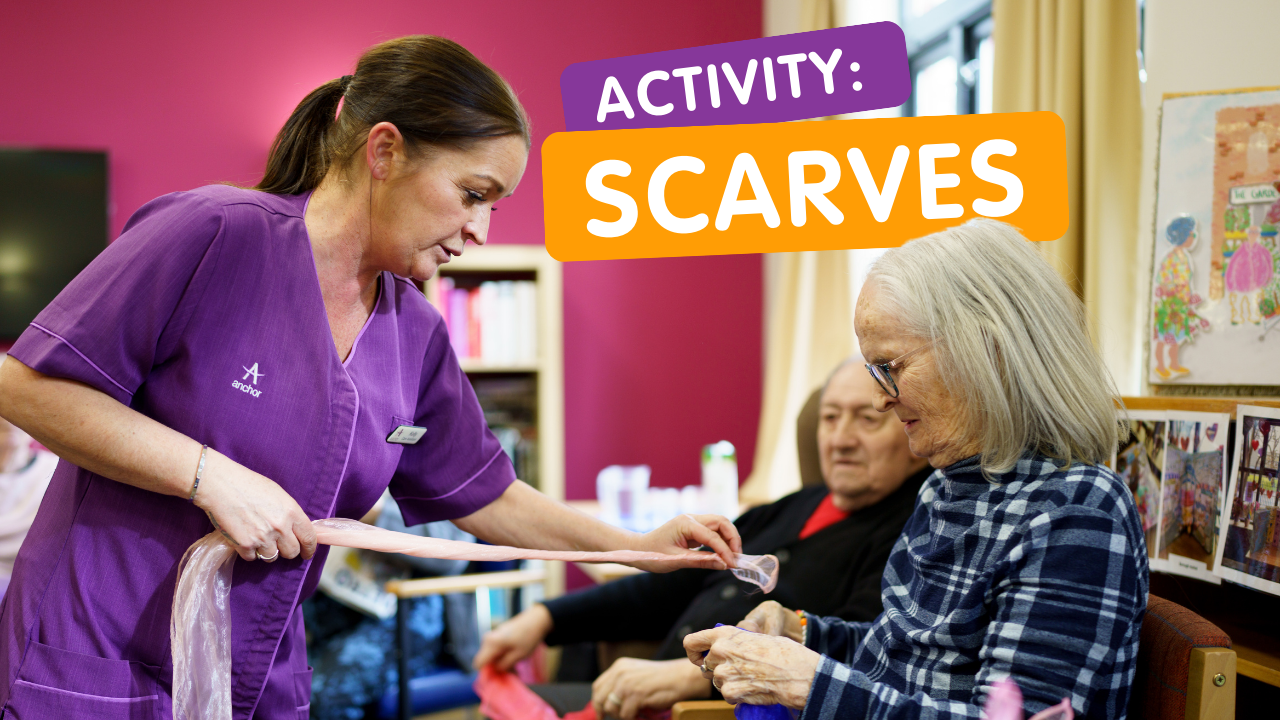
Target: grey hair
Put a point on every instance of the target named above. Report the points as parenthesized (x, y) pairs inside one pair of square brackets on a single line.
[(1011, 339)]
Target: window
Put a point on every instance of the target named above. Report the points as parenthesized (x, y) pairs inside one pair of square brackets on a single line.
[(934, 90), (951, 53)]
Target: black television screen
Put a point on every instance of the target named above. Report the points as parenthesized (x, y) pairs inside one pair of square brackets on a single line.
[(53, 221)]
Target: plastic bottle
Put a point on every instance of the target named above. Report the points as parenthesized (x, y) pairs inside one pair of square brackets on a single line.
[(720, 479)]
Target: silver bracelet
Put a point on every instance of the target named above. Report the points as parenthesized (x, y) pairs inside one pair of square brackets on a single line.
[(199, 473)]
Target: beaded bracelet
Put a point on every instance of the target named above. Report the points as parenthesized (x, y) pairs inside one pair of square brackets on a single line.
[(199, 473), (804, 627)]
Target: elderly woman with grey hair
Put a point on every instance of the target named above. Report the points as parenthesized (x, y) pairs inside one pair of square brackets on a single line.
[(1024, 558)]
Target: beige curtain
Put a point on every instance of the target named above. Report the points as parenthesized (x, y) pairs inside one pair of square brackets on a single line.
[(1078, 58), (817, 14), (809, 330)]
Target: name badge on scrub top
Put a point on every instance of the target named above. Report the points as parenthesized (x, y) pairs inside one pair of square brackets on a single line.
[(407, 435)]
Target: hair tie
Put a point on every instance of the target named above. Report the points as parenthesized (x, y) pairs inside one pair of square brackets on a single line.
[(345, 81)]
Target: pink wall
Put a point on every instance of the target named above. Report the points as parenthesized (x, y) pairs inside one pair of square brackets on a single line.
[(661, 356)]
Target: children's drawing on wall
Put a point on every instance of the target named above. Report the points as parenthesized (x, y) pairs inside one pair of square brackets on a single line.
[(1269, 302), (1249, 552), (1176, 322), (1218, 176), (1192, 489), (1248, 271), (1139, 462)]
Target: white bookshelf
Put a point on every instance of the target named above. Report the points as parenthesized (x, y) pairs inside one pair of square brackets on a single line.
[(547, 370)]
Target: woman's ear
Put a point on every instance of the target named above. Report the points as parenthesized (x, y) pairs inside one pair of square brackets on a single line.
[(384, 149)]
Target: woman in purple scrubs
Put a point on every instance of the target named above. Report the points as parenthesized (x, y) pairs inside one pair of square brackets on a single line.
[(269, 341)]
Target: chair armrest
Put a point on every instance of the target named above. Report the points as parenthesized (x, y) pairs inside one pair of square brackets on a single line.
[(601, 573), (1205, 697), (702, 710), (464, 583)]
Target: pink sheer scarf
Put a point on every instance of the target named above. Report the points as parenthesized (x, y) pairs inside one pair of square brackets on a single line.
[(200, 628)]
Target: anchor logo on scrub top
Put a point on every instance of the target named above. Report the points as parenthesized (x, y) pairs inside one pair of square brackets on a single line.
[(254, 372), (246, 387)]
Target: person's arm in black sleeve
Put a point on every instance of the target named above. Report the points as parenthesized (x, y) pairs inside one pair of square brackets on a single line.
[(637, 607)]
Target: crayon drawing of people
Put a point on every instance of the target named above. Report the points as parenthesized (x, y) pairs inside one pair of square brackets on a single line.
[(1176, 321), (1269, 304), (1248, 272), (1235, 223)]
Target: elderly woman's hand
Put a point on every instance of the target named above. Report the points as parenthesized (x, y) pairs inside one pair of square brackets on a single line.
[(770, 618), (755, 669), (630, 685)]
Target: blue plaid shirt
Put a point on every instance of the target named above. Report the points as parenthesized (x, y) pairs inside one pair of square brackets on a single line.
[(1042, 577)]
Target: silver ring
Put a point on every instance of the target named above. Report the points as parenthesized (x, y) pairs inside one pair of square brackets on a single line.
[(704, 669), (267, 559), (613, 699)]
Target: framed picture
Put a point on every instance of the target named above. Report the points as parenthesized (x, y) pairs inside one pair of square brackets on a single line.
[(1192, 491), (1215, 300), (1139, 461), (1249, 553)]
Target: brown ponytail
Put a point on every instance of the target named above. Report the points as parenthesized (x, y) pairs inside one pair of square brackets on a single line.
[(432, 89)]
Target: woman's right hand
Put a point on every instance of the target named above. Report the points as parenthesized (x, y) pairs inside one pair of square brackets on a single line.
[(514, 639), (770, 618), (631, 685), (255, 514)]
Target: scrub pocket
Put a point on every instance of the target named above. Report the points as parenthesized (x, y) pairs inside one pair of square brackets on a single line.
[(302, 692), (62, 684)]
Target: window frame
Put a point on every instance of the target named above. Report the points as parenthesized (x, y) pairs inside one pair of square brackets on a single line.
[(954, 28)]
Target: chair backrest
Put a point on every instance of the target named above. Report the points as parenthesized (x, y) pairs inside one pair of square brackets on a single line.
[(807, 441), (1186, 667)]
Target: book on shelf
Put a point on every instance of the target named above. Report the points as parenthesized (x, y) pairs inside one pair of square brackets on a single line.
[(493, 323), (510, 411)]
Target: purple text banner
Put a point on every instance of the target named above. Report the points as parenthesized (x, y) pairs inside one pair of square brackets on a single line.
[(774, 79)]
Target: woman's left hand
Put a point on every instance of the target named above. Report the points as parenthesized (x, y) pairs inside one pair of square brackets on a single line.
[(754, 669), (685, 532), (771, 618)]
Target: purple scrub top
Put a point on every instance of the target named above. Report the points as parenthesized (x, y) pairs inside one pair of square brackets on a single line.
[(206, 315)]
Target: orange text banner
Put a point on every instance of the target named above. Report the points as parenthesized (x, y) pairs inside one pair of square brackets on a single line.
[(782, 187)]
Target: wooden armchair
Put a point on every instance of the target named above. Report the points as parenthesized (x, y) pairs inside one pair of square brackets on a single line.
[(1186, 667)]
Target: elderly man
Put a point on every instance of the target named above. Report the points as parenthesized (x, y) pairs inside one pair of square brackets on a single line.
[(832, 541)]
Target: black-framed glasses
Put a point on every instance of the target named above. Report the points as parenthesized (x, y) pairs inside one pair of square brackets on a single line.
[(880, 371)]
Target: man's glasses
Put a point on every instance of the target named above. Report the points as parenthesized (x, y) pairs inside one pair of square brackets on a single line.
[(880, 371)]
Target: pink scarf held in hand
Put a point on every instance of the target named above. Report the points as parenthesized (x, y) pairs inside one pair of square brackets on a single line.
[(1004, 702), (200, 628)]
